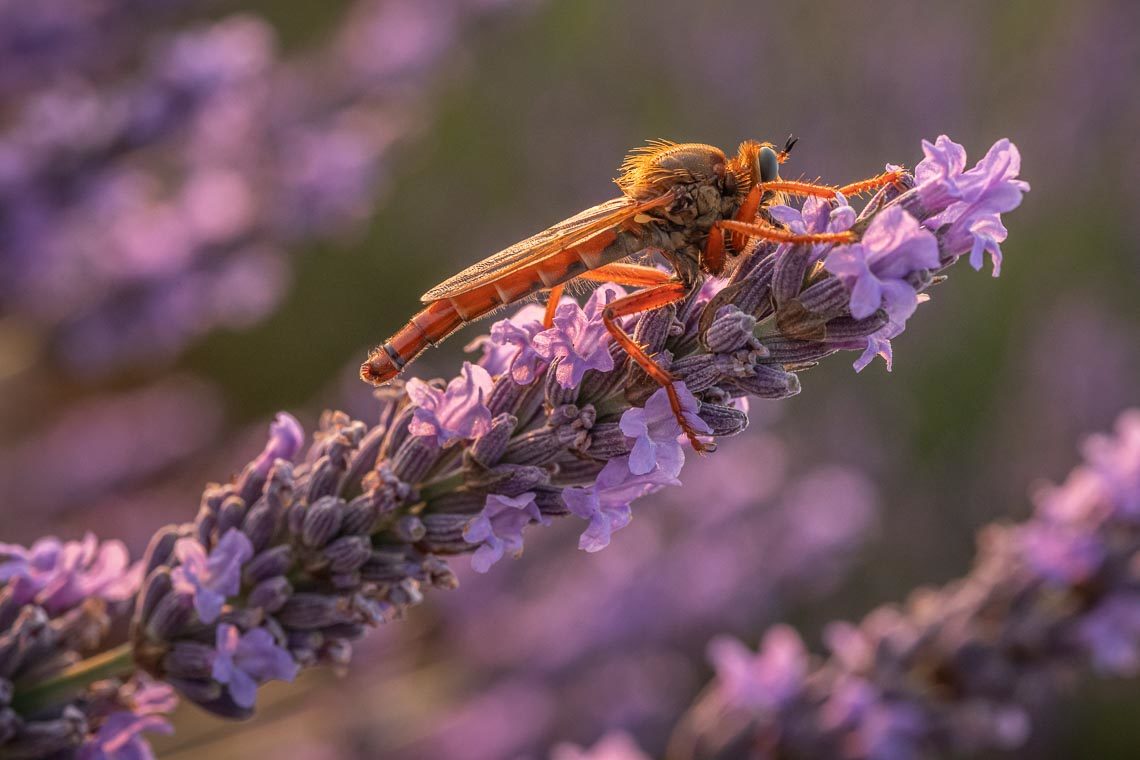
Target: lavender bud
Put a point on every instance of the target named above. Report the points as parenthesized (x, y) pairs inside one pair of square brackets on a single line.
[(45, 738), (230, 515), (598, 385), (270, 594), (204, 525), (827, 298), (788, 350), (171, 614), (363, 459), (548, 499), (347, 553), (189, 659), (269, 563), (731, 329), (789, 273), (508, 479), (444, 528), (723, 420), (653, 329), (698, 371), (536, 447), (553, 391), (607, 441), (261, 524), (408, 529), (161, 548), (322, 521), (155, 587), (398, 432), (308, 611), (848, 328), (415, 458), (767, 381), (360, 515), (488, 449)]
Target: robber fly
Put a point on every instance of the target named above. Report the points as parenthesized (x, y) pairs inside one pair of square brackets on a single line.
[(689, 203)]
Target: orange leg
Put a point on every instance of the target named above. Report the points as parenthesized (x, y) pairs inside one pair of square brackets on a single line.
[(553, 297), (747, 213), (652, 298), (780, 235), (873, 183), (800, 187)]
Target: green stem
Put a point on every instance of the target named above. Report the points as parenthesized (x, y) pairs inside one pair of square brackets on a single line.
[(63, 686)]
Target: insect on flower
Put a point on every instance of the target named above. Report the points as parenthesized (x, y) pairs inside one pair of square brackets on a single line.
[(687, 202)]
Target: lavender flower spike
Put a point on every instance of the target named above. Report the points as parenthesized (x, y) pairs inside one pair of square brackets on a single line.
[(962, 668), (289, 563)]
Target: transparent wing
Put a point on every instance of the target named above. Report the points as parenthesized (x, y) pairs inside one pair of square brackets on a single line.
[(549, 242)]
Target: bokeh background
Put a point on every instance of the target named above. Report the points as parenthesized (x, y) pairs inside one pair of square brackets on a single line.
[(210, 210)]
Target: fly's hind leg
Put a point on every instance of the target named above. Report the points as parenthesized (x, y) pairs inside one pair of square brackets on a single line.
[(652, 298)]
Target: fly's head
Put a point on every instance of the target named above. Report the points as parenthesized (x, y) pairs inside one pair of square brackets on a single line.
[(758, 162)]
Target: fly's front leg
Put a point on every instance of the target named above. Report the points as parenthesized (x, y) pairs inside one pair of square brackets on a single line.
[(652, 298), (781, 235), (893, 177)]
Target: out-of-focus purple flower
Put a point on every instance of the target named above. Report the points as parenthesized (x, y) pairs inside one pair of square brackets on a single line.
[(1061, 554), (119, 735), (1116, 462), (456, 413), (211, 579), (509, 347), (285, 439), (606, 503), (875, 269), (1111, 634), (243, 661), (656, 432), (499, 528), (616, 745), (765, 679), (57, 575), (579, 338), (971, 202)]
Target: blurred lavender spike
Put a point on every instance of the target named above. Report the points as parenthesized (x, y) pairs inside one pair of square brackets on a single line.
[(135, 201), (957, 669)]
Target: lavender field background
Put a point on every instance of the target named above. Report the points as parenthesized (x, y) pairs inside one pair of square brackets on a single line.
[(210, 211)]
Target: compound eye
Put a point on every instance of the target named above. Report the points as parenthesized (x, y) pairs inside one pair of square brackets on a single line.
[(769, 164)]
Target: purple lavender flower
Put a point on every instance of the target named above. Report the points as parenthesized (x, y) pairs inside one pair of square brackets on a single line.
[(656, 432), (285, 440), (119, 734), (875, 269), (243, 661), (211, 579), (510, 348), (579, 338), (499, 528), (456, 413), (970, 203), (605, 504), (58, 575)]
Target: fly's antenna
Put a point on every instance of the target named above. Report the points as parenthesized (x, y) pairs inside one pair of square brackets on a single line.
[(788, 145)]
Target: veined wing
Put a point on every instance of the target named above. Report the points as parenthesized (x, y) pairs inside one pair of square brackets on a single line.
[(549, 242)]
